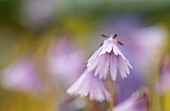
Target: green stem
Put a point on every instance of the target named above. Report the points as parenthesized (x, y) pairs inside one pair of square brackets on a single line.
[(93, 106), (111, 87)]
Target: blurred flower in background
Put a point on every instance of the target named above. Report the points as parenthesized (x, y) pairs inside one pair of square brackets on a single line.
[(22, 75), (139, 101), (65, 61), (38, 14), (163, 85)]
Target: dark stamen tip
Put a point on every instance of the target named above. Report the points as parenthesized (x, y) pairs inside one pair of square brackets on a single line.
[(120, 43), (114, 36), (101, 44), (105, 36)]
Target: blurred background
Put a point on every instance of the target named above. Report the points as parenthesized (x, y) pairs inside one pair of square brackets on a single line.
[(44, 46)]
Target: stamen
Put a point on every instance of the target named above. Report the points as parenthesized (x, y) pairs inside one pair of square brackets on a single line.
[(101, 44), (114, 36), (105, 36), (120, 43)]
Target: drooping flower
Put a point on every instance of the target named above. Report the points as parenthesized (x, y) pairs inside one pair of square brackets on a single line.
[(139, 101), (108, 58), (89, 85), (22, 76), (142, 44)]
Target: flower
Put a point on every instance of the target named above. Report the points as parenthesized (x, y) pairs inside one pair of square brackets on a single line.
[(164, 83), (91, 85), (108, 58), (139, 101), (22, 76), (65, 61), (142, 45)]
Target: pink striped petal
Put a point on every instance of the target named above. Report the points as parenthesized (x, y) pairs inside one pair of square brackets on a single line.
[(91, 85)]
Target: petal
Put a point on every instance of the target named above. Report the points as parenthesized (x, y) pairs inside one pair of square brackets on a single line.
[(104, 49), (109, 47), (76, 86), (95, 54), (105, 69), (91, 85), (92, 64), (102, 67), (115, 50), (113, 68), (123, 66), (99, 65)]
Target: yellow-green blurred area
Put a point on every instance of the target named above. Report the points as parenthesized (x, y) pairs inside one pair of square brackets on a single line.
[(29, 27)]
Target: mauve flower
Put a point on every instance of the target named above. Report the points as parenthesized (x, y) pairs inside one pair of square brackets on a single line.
[(108, 58), (164, 83), (22, 76), (139, 101), (142, 45), (89, 85), (65, 61)]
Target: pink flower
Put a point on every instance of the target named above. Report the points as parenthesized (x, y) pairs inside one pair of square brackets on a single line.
[(164, 83), (108, 58), (139, 101), (91, 85), (65, 61), (22, 76)]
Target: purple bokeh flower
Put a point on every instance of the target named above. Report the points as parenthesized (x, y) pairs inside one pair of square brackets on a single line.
[(91, 85), (65, 61), (22, 76), (139, 101), (164, 83), (108, 58)]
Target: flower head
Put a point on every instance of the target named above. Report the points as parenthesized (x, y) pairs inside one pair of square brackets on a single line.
[(139, 101), (91, 85), (141, 45), (108, 58)]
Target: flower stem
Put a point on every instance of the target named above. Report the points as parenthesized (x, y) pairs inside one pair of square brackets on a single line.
[(111, 87), (92, 105)]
